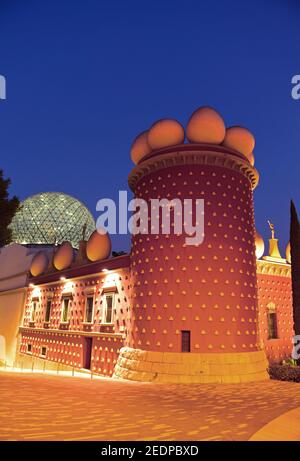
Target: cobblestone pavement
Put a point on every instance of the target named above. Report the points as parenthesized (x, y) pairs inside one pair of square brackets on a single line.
[(45, 407)]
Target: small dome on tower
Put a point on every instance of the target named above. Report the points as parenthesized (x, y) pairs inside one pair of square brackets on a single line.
[(288, 253), (63, 257), (164, 133), (259, 245), (241, 140), (39, 264), (206, 126), (98, 247), (140, 147)]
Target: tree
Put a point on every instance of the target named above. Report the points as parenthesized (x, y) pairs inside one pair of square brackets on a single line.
[(8, 208), (118, 253), (295, 262)]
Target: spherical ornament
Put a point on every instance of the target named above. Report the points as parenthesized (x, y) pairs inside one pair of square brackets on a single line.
[(206, 126), (259, 245), (63, 257), (140, 147), (99, 246), (288, 253), (164, 133), (251, 159), (39, 264), (240, 139)]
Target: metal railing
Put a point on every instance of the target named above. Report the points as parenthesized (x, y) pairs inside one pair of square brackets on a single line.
[(33, 367)]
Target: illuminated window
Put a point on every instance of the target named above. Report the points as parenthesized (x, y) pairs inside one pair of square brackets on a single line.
[(272, 325), (65, 310), (48, 310), (89, 306), (34, 307), (185, 341), (108, 308)]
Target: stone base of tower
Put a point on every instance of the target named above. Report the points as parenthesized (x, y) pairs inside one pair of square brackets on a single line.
[(176, 367)]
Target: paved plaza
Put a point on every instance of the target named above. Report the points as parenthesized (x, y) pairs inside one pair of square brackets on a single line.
[(49, 407)]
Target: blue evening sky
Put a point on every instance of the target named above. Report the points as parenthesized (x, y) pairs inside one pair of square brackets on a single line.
[(85, 77)]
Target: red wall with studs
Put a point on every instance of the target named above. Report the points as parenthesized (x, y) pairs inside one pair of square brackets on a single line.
[(276, 291), (67, 347), (209, 289)]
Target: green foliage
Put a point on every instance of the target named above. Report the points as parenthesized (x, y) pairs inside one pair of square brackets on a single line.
[(118, 253), (8, 208), (291, 362)]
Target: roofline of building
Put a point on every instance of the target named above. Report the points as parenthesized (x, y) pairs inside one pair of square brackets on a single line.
[(88, 269)]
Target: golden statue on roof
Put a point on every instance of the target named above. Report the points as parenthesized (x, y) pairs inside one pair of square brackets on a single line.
[(272, 227)]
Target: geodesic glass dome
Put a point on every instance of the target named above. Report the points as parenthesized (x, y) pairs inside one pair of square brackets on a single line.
[(51, 217)]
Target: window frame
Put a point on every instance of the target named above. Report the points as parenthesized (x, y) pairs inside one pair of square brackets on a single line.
[(34, 302), (185, 334), (41, 352), (91, 296), (62, 321), (49, 300), (27, 350), (104, 310), (271, 314)]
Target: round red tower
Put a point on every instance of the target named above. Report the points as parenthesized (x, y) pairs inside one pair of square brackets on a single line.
[(200, 298)]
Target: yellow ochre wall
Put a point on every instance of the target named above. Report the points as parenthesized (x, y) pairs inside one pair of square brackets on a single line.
[(11, 307)]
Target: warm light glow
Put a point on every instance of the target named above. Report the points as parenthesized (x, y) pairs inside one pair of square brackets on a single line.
[(62, 279), (259, 245), (288, 253), (68, 286), (110, 279), (36, 292)]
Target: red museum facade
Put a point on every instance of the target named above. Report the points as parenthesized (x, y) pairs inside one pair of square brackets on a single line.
[(169, 311)]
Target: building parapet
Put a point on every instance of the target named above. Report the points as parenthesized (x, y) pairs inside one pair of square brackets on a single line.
[(74, 333), (273, 268)]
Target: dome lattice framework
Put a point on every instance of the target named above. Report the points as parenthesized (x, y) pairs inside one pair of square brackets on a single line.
[(52, 218)]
